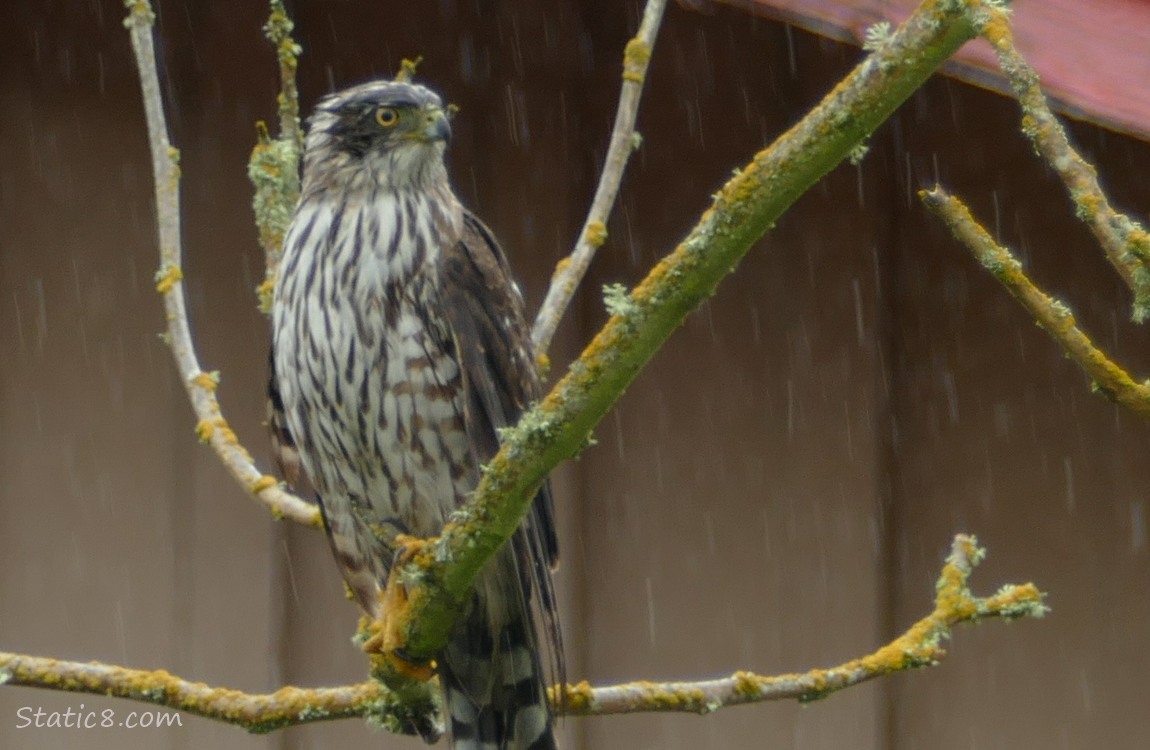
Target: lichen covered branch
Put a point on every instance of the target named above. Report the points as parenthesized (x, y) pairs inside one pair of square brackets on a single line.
[(201, 386), (440, 577), (1125, 241), (624, 140), (919, 646), (288, 706), (1050, 313)]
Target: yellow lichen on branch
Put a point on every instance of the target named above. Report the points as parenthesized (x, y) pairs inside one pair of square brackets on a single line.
[(919, 646), (256, 713), (167, 278), (407, 704), (1052, 314)]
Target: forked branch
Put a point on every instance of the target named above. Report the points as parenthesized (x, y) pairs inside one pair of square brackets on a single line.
[(1125, 242), (201, 386), (919, 646)]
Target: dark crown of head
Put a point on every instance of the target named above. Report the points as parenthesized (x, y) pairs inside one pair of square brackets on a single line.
[(367, 96), (349, 115)]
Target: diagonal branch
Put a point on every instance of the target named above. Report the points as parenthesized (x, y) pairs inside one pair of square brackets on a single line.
[(201, 386), (1052, 314), (624, 140), (919, 646), (441, 575), (1125, 241)]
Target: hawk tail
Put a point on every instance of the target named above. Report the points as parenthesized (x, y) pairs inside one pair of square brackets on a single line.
[(494, 690)]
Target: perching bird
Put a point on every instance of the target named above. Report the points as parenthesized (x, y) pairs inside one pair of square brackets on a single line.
[(399, 348)]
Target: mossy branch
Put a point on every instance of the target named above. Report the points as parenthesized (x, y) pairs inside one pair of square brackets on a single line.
[(440, 577), (211, 427), (919, 646), (1052, 314), (274, 164)]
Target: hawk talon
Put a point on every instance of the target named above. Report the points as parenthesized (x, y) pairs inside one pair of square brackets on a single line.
[(421, 671), (388, 638), (406, 548)]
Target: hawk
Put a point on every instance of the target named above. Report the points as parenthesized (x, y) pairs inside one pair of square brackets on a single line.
[(399, 348)]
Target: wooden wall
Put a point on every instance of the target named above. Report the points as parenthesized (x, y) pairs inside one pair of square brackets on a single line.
[(775, 492)]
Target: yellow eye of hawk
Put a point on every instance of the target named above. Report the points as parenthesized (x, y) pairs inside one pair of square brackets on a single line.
[(386, 116)]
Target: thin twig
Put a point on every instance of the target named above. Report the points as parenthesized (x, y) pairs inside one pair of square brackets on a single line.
[(201, 386), (919, 646), (1052, 314), (1125, 241), (570, 271)]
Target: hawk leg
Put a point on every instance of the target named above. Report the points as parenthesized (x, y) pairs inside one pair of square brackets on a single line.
[(387, 639)]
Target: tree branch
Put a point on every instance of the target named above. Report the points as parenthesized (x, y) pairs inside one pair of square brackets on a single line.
[(919, 646), (1125, 241), (201, 386), (571, 270), (288, 706), (1050, 313), (441, 575), (274, 164)]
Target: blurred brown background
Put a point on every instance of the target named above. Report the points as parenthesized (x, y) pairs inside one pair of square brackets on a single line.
[(777, 490)]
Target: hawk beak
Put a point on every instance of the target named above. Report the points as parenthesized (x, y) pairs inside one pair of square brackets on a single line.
[(436, 126)]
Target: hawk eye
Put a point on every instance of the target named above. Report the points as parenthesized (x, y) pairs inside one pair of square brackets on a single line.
[(386, 116)]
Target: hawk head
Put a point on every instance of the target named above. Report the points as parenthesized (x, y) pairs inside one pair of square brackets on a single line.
[(393, 133)]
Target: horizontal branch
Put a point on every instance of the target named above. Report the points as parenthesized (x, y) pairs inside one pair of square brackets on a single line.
[(288, 706), (212, 428), (1125, 241), (440, 577), (1050, 313), (573, 268), (919, 646)]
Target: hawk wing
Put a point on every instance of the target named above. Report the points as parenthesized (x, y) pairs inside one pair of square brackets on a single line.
[(493, 346), (285, 452)]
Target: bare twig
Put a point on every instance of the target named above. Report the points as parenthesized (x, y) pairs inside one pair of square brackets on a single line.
[(1126, 242), (1051, 314), (919, 646), (201, 386), (570, 271)]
